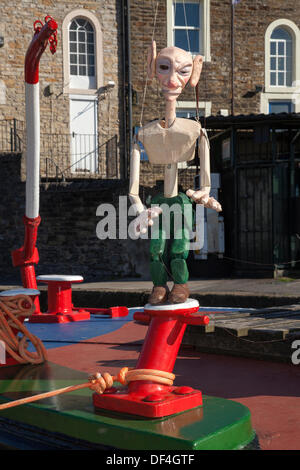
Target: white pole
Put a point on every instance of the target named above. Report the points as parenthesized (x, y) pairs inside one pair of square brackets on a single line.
[(33, 149)]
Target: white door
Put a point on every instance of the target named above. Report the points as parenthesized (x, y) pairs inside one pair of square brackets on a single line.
[(83, 127)]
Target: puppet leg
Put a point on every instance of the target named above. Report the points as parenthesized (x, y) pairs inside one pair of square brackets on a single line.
[(179, 269), (179, 253), (158, 254)]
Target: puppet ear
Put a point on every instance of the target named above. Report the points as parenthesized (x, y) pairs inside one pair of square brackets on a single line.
[(151, 61), (197, 67)]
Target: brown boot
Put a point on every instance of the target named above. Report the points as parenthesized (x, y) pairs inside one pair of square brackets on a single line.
[(159, 295), (179, 294)]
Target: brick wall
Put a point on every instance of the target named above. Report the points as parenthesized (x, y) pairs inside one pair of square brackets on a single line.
[(67, 239), (252, 17), (16, 25)]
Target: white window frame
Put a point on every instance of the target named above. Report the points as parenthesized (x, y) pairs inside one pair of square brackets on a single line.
[(205, 33), (191, 105), (82, 13), (265, 99), (282, 93)]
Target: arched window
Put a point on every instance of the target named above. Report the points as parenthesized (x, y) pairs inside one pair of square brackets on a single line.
[(83, 76), (281, 58), (82, 52), (282, 68), (82, 48)]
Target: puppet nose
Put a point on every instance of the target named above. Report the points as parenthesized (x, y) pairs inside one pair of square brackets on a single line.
[(173, 82)]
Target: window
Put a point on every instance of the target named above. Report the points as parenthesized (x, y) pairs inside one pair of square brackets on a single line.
[(187, 109), (278, 106), (82, 48), (82, 52), (188, 113), (188, 26), (282, 68), (281, 58)]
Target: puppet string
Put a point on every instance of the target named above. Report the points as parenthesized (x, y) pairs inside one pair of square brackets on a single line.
[(146, 81)]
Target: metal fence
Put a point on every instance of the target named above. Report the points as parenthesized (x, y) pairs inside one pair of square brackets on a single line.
[(11, 135), (76, 156), (65, 156), (259, 161)]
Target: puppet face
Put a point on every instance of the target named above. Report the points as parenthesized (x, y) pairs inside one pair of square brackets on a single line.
[(174, 68)]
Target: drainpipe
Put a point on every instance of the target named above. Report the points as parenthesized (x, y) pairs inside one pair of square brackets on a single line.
[(129, 78), (27, 256), (232, 57), (124, 111)]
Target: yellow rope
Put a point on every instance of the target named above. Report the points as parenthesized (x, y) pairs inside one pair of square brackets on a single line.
[(99, 383)]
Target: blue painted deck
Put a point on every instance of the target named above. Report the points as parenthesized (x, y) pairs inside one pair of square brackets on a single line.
[(55, 335)]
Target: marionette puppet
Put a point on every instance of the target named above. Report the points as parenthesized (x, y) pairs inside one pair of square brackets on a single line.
[(168, 142)]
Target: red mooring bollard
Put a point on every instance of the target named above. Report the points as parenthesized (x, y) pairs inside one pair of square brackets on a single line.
[(60, 306), (159, 352)]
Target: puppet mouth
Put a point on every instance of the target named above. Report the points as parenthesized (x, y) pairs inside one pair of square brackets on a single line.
[(172, 92)]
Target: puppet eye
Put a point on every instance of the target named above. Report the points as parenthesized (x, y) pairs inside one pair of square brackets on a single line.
[(185, 70), (163, 67)]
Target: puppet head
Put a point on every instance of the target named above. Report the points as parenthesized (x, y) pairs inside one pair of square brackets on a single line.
[(174, 68)]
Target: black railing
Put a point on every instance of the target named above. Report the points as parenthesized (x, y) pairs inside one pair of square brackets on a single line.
[(11, 135), (76, 156), (65, 156)]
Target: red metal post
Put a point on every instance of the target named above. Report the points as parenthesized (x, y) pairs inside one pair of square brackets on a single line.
[(60, 306), (42, 35), (159, 353), (27, 256)]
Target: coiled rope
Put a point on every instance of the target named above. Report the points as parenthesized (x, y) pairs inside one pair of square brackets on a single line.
[(16, 346), (101, 382)]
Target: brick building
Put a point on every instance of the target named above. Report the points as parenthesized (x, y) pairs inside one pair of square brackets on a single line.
[(98, 79), (251, 69), (250, 49), (83, 127), (81, 85)]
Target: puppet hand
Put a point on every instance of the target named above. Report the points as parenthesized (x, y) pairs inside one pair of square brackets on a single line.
[(142, 222), (202, 197)]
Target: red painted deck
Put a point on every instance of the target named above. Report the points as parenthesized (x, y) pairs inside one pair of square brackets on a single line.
[(270, 390)]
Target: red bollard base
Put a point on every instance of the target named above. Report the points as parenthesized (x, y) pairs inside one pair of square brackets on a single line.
[(60, 306), (149, 398), (113, 312), (176, 400), (75, 315), (9, 361)]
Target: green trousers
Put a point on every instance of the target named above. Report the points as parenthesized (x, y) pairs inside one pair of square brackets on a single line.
[(170, 239)]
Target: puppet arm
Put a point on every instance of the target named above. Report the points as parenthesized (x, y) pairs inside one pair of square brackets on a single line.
[(144, 216), (134, 182), (202, 196)]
